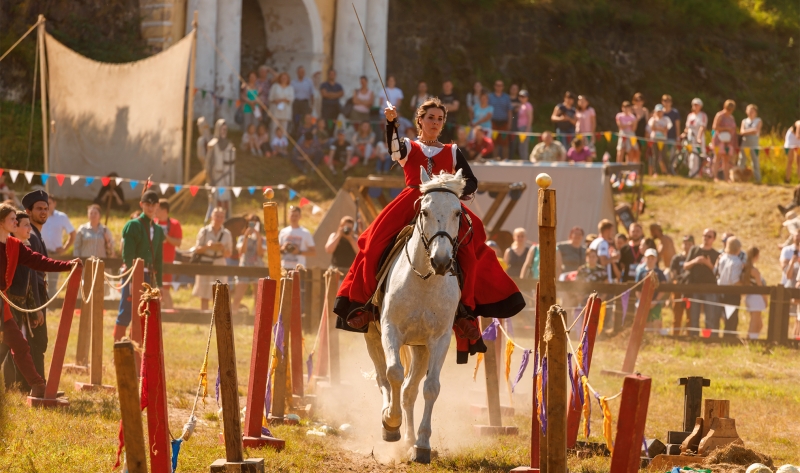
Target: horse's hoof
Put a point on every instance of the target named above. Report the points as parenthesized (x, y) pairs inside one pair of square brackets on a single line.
[(390, 434), (420, 455)]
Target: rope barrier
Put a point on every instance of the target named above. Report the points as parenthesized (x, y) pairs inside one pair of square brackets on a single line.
[(120, 275), (91, 291), (44, 306), (119, 288), (202, 383)]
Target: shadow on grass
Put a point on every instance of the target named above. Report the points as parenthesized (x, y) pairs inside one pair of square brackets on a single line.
[(105, 406)]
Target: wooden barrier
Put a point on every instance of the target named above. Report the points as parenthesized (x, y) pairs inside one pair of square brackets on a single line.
[(137, 278), (130, 407), (296, 337), (95, 308), (60, 348), (259, 368), (278, 410), (555, 339), (626, 457), (229, 390), (589, 330), (81, 364), (639, 324), (490, 363), (270, 210)]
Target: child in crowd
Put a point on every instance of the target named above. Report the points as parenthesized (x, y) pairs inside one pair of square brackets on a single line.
[(363, 141), (650, 263), (279, 143), (322, 132), (250, 141), (591, 271), (263, 141), (579, 152)]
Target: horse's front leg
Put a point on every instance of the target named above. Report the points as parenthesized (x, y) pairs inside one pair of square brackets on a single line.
[(418, 368), (375, 350), (421, 452), (392, 417)]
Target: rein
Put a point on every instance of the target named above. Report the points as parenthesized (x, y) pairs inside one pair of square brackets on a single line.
[(426, 242)]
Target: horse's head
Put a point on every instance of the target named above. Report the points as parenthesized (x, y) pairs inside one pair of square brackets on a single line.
[(440, 217)]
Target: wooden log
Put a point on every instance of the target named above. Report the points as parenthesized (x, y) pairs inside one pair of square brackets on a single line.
[(692, 399), (153, 361), (259, 368), (228, 385), (555, 339), (589, 328), (321, 363), (334, 367), (714, 408), (60, 347), (279, 391), (95, 308), (639, 324), (626, 457), (129, 406), (296, 336), (273, 249), (492, 382), (84, 321), (547, 282), (137, 279)]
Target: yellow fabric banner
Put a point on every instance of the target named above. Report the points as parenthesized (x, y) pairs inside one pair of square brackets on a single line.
[(607, 433), (602, 316)]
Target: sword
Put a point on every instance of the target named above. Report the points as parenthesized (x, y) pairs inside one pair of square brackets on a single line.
[(373, 57)]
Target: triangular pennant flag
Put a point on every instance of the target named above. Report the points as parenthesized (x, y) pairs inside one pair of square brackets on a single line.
[(105, 180), (29, 176), (660, 145), (689, 147), (495, 135), (625, 299), (251, 190), (304, 201), (705, 333), (118, 180), (60, 179), (89, 180), (176, 285), (766, 150), (522, 138), (193, 190), (45, 177), (236, 191), (163, 186), (716, 149), (73, 179), (133, 183), (222, 190), (13, 175), (730, 309), (467, 129), (579, 136), (316, 209), (238, 103), (650, 145), (747, 152), (178, 187), (292, 194), (633, 140), (786, 150), (607, 135), (1, 171)]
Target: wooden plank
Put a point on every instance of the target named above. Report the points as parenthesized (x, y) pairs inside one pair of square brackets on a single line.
[(501, 220), (714, 408), (555, 339), (279, 390), (589, 329), (315, 304), (60, 346), (84, 321), (96, 367), (259, 356), (130, 410), (492, 382), (692, 399), (333, 333), (639, 324), (630, 427), (495, 205), (296, 336), (547, 292), (273, 249), (228, 386)]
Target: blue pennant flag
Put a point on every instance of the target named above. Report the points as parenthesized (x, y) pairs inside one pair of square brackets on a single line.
[(178, 188), (221, 190), (251, 190), (89, 181), (134, 184), (176, 449), (44, 178), (292, 194)]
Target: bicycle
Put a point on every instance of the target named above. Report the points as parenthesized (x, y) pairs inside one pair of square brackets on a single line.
[(688, 162)]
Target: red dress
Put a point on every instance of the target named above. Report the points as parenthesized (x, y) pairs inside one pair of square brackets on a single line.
[(487, 290)]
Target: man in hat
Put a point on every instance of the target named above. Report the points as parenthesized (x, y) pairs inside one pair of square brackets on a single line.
[(144, 239), (37, 207)]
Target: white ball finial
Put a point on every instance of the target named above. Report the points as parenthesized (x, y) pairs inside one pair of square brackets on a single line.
[(544, 180)]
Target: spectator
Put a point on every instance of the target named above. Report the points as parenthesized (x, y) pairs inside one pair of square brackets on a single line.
[(696, 124), (666, 247), (750, 131), (672, 134), (279, 143), (321, 131), (220, 168), (729, 270), (331, 92), (340, 151), (679, 276), (264, 82), (307, 125), (296, 242), (250, 140), (548, 151), (725, 142), (481, 146), (530, 269), (303, 103), (383, 162), (363, 142), (627, 149), (474, 99), (593, 270), (792, 144), (7, 194), (513, 140), (524, 124), (363, 99), (642, 115), (452, 105), (251, 246), (53, 231), (281, 96), (626, 263), (699, 266), (570, 254), (755, 303), (173, 237), (651, 264), (311, 148), (587, 122), (262, 141), (342, 244), (659, 125), (420, 97), (483, 113), (515, 254), (395, 95), (248, 95), (93, 238), (564, 118), (111, 196), (602, 247), (202, 147), (462, 141), (214, 243), (578, 152), (501, 118), (636, 235)]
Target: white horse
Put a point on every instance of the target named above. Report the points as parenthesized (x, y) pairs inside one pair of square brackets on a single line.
[(418, 310)]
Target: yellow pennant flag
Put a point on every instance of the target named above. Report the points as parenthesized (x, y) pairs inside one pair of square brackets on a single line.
[(747, 152), (522, 138), (477, 365), (716, 149), (607, 424), (339, 124), (467, 129), (579, 136), (602, 316), (495, 135), (509, 351), (587, 406), (689, 148), (633, 140), (204, 378), (607, 135), (660, 145)]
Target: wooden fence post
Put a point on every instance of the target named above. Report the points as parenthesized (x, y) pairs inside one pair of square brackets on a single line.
[(333, 332), (555, 338), (281, 341), (296, 335), (495, 426), (130, 407), (626, 457), (273, 249), (229, 389), (60, 347), (315, 303), (137, 279), (590, 328), (639, 324), (84, 327), (95, 308)]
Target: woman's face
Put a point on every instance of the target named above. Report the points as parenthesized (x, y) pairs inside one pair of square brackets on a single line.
[(9, 224), (94, 216), (251, 79), (284, 79), (696, 107), (484, 100), (390, 82), (752, 112), (638, 103), (582, 103), (627, 109), (591, 259), (432, 122), (363, 82)]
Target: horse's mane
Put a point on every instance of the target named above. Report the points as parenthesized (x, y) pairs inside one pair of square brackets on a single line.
[(444, 180)]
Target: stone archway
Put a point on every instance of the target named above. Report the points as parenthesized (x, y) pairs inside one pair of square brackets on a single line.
[(293, 31), (254, 50)]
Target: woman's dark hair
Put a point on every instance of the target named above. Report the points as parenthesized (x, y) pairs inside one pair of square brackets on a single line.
[(432, 102), (745, 278)]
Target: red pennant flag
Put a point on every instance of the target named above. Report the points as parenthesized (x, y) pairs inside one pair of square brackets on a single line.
[(688, 303), (193, 190), (598, 135), (650, 144), (195, 91), (706, 333), (304, 201), (105, 180), (766, 150), (60, 179), (1, 171)]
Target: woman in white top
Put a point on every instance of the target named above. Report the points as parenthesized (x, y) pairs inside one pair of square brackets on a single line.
[(756, 303), (281, 97), (363, 98), (729, 273), (93, 238), (750, 130), (792, 143), (696, 124)]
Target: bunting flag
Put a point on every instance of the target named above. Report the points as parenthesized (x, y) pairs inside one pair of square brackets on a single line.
[(292, 194), (73, 179), (542, 388), (634, 140), (587, 408), (193, 190), (660, 145), (45, 177), (163, 188), (766, 150), (221, 190), (607, 135), (607, 432), (105, 180), (251, 190), (236, 191), (526, 354), (60, 179), (118, 180), (730, 309), (625, 299), (747, 152), (89, 180), (509, 351), (573, 389), (13, 175), (478, 360), (522, 138), (490, 333), (176, 449), (316, 210), (134, 184), (602, 316), (304, 202), (495, 135), (178, 187)]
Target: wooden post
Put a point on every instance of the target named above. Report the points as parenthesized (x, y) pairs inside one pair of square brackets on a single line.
[(95, 308), (639, 324), (590, 322), (153, 362), (547, 285), (495, 426), (555, 338), (84, 327), (296, 337), (692, 399), (279, 390), (333, 332), (714, 408), (60, 347), (187, 152), (229, 389), (315, 305), (137, 278), (273, 249), (626, 457), (41, 33), (323, 348), (129, 406)]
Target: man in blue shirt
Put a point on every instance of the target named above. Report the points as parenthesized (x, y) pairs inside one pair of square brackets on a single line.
[(501, 118), (303, 96)]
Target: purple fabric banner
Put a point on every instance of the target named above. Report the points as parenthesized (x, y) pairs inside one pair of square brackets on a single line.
[(490, 333), (523, 365)]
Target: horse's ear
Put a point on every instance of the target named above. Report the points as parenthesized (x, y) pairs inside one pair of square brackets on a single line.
[(459, 174), (423, 175)]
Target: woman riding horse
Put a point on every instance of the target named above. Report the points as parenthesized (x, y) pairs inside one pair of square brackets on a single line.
[(486, 289)]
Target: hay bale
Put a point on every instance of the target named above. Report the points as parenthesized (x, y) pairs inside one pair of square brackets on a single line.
[(734, 454)]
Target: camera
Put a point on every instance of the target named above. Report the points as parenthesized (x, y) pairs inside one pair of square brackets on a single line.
[(346, 230), (289, 248), (251, 224)]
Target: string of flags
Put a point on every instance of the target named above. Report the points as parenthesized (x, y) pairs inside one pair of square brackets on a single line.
[(164, 187)]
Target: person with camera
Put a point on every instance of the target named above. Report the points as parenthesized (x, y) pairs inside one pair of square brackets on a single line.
[(214, 244), (296, 241), (251, 246), (342, 244)]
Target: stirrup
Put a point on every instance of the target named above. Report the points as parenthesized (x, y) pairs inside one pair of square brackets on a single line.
[(359, 319)]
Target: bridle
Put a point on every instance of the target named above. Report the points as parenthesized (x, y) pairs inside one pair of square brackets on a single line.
[(426, 242)]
